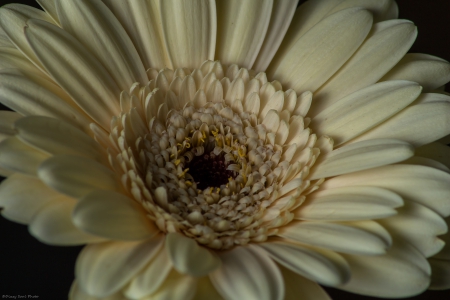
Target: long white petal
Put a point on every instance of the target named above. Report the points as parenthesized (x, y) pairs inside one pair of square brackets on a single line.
[(349, 204), (53, 225), (418, 125), (383, 48), (104, 268), (49, 7), (177, 287), (318, 54), (248, 273), (429, 71), (190, 31), (112, 215), (77, 293), (322, 266), (77, 176), (361, 156), (298, 286), (241, 28), (418, 226), (76, 70), (402, 272), (95, 26), (190, 258), (423, 185), (22, 196), (360, 238), (19, 157), (282, 13)]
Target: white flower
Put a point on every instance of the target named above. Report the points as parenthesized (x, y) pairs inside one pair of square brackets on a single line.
[(203, 150)]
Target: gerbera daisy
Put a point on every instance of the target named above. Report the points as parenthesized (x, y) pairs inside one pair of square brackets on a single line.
[(227, 149)]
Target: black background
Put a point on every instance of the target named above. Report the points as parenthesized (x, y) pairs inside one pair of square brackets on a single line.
[(28, 267)]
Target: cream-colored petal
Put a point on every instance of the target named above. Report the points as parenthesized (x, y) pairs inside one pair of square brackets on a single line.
[(360, 238), (104, 268), (4, 40), (189, 31), (321, 266), (190, 258), (361, 156), (76, 70), (151, 277), (282, 13), (206, 290), (402, 272), (422, 161), (112, 215), (53, 225), (349, 204), (95, 26), (363, 110), (418, 125), (440, 274), (11, 58), (77, 293), (22, 196), (418, 226), (241, 28), (248, 273), (298, 286), (13, 19), (377, 7), (49, 6), (318, 54), (383, 48), (7, 119), (420, 184), (56, 137), (142, 21), (19, 157), (435, 151), (77, 176), (34, 95), (429, 71), (176, 287)]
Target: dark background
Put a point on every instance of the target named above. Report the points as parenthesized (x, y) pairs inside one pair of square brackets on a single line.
[(28, 267)]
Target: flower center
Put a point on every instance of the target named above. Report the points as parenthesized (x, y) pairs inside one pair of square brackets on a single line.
[(221, 156)]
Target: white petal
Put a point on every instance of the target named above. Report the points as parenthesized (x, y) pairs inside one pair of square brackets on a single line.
[(56, 137), (34, 95), (11, 58), (206, 290), (362, 237), (418, 125), (19, 157), (248, 273), (77, 176), (94, 25), (364, 109), (104, 268), (190, 31), (76, 70), (13, 19), (377, 7), (23, 196), (53, 225), (176, 287), (435, 151), (241, 28), (151, 277), (322, 266), (112, 215), (423, 185), (361, 156), (282, 13), (349, 204), (190, 258), (49, 7), (440, 274), (429, 71), (76, 293), (402, 272), (418, 226), (318, 54), (384, 47), (298, 286), (7, 119)]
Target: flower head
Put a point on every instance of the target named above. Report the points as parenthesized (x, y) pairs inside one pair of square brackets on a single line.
[(227, 149)]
